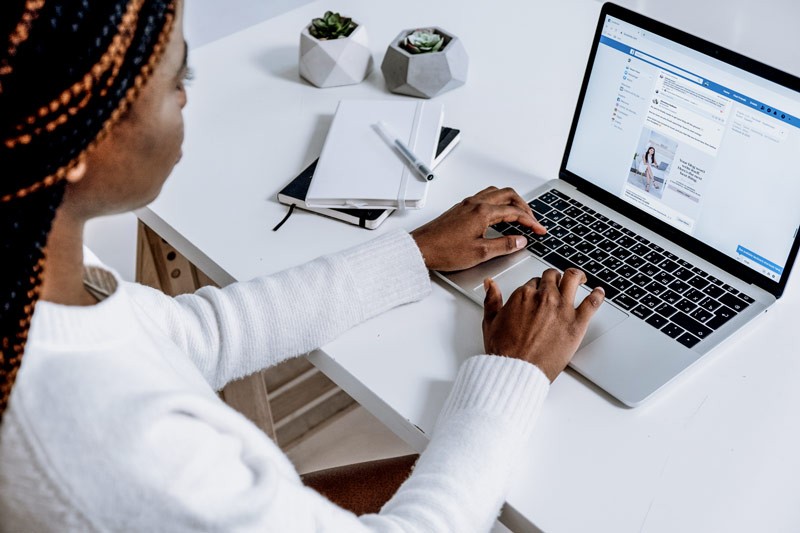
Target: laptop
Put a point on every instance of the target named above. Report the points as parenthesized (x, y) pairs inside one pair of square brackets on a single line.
[(677, 194)]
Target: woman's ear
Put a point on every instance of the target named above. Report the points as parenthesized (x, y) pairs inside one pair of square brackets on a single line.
[(76, 173)]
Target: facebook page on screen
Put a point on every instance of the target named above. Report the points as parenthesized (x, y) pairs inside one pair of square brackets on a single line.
[(703, 146)]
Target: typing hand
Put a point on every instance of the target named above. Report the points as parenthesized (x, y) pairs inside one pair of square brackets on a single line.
[(455, 240), (538, 323)]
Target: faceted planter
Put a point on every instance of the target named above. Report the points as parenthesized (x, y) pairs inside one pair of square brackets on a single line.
[(425, 75), (334, 62)]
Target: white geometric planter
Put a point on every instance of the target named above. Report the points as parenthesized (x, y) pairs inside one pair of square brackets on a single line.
[(335, 62), (425, 75)]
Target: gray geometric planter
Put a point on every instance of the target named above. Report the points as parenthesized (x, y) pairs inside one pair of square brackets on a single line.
[(335, 62), (425, 75)]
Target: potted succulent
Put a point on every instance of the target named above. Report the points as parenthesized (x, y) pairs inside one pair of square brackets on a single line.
[(425, 62), (334, 51)]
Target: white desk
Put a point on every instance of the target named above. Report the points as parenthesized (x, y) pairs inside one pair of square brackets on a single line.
[(717, 451)]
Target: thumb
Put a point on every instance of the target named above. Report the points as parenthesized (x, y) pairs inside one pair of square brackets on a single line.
[(492, 302), (505, 245), (590, 305)]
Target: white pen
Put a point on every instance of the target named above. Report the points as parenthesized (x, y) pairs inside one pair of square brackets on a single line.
[(393, 141)]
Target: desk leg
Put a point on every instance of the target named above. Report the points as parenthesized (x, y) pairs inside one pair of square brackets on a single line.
[(301, 398)]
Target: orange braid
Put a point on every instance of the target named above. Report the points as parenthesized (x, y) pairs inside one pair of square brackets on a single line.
[(21, 32), (123, 107)]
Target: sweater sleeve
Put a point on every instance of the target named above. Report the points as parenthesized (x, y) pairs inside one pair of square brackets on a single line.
[(190, 470), (248, 326)]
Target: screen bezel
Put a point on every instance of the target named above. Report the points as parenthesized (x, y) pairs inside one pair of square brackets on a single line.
[(675, 235)]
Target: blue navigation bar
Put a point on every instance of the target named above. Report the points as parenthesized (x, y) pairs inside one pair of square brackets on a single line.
[(741, 250), (715, 87)]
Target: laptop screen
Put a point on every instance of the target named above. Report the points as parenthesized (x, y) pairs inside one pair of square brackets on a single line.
[(701, 145)]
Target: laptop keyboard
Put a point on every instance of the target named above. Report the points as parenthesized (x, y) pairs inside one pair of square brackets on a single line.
[(669, 293)]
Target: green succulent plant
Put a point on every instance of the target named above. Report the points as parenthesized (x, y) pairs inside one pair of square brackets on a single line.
[(332, 26), (423, 41)]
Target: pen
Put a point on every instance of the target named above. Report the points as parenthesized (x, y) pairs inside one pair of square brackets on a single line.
[(393, 141)]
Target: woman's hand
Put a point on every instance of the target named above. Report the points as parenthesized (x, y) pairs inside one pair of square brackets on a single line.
[(455, 240), (538, 323)]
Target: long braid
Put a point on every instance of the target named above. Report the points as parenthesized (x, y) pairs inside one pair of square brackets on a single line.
[(70, 71)]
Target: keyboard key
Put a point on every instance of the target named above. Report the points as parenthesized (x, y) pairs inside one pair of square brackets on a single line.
[(548, 198), (657, 321), (635, 261), (671, 297), (672, 330), (626, 271), (584, 247), (693, 295), (655, 288), (573, 211), (607, 275), (699, 283), (540, 208), (664, 278), (624, 301), (585, 219), (685, 305), (683, 273), (678, 286), (559, 232), (697, 271), (713, 291), (620, 283), (567, 251), (626, 241), (598, 255), (556, 216), (669, 265), (734, 302), (701, 314), (671, 256), (612, 234), (642, 311), (640, 279), (640, 249), (649, 269), (691, 325), (546, 222), (621, 253), (569, 224), (650, 301), (666, 310), (654, 257), (593, 267), (561, 205), (594, 237), (571, 239), (612, 262), (709, 304), (607, 245), (635, 292), (720, 317), (558, 193), (580, 259), (687, 340), (581, 231), (746, 298), (599, 226)]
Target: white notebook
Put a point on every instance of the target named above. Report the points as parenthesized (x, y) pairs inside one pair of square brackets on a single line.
[(358, 169)]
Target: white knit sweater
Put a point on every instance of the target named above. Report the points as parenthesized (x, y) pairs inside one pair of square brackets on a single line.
[(114, 424)]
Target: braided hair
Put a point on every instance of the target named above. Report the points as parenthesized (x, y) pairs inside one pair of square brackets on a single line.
[(69, 71)]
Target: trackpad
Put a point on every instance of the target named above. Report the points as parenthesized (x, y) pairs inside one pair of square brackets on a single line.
[(606, 318)]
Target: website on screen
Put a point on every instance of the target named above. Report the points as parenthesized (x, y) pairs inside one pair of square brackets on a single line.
[(700, 145)]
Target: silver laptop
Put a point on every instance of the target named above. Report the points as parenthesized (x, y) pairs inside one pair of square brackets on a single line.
[(678, 193)]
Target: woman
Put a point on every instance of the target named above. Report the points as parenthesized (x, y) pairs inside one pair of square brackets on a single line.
[(648, 162), (110, 419)]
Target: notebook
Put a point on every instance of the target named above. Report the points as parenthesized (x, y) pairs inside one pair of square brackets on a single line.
[(357, 169), (690, 248), (294, 194)]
